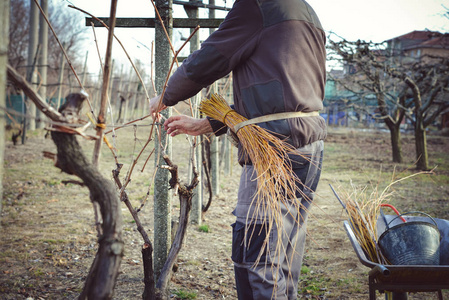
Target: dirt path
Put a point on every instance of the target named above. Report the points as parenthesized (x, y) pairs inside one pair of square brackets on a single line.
[(48, 235)]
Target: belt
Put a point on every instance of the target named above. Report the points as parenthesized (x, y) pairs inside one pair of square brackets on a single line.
[(274, 117)]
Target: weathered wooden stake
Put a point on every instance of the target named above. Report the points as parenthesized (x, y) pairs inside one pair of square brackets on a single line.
[(43, 60), (104, 88), (32, 78), (4, 39), (197, 200), (83, 80), (60, 79)]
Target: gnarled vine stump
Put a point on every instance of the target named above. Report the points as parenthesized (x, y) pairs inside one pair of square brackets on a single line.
[(70, 159)]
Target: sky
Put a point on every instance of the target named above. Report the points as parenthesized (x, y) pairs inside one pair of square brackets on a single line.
[(375, 21)]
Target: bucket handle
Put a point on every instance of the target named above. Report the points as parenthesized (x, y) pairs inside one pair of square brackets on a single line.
[(413, 212)]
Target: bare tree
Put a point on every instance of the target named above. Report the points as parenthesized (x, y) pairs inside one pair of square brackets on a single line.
[(103, 274), (428, 82), (70, 158), (365, 78), (415, 88), (18, 34), (67, 26)]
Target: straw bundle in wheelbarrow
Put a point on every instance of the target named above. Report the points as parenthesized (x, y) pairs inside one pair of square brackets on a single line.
[(364, 209), (268, 154)]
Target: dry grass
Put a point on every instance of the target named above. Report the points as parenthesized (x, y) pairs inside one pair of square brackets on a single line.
[(363, 209)]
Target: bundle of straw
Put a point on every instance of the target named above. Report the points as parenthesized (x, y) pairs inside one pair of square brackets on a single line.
[(276, 181), (363, 209)]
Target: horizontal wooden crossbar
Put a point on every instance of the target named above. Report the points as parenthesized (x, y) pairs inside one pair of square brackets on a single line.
[(150, 22)]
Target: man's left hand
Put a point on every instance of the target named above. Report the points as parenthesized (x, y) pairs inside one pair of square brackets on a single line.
[(184, 124)]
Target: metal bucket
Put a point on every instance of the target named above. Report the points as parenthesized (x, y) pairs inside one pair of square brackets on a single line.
[(411, 243)]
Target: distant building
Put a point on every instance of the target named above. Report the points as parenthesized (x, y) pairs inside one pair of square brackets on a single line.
[(421, 45), (416, 46)]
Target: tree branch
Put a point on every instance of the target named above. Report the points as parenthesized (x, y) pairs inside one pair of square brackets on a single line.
[(40, 103)]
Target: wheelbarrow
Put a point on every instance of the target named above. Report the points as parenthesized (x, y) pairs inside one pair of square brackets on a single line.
[(398, 280)]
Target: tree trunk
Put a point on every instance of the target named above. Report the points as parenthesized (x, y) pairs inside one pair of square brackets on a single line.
[(185, 199), (395, 136), (149, 292), (422, 162), (101, 280), (104, 271), (420, 130), (4, 39), (393, 123)]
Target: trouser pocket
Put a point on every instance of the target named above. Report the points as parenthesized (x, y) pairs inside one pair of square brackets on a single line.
[(238, 235), (247, 247)]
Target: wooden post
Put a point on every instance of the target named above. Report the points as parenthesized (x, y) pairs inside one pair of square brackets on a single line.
[(32, 49), (25, 101), (117, 101), (162, 194), (227, 156), (197, 200), (4, 39), (61, 78), (133, 102), (104, 88), (214, 157), (128, 89), (111, 82), (43, 61), (85, 68), (214, 142)]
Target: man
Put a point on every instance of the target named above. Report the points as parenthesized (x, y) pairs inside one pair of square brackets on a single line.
[(276, 52)]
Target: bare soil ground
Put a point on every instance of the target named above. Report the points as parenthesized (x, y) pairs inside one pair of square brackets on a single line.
[(48, 235)]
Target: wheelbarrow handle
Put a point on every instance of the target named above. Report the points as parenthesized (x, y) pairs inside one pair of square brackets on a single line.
[(379, 269), (394, 209)]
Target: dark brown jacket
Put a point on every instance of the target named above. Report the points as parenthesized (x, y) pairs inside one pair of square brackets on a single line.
[(275, 50)]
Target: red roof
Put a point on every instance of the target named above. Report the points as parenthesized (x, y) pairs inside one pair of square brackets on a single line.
[(423, 39), (440, 42), (417, 35)]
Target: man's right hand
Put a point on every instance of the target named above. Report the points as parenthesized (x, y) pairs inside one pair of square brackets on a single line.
[(156, 106), (184, 124)]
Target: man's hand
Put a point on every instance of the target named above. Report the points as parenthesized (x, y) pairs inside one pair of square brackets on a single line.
[(156, 106), (184, 124)]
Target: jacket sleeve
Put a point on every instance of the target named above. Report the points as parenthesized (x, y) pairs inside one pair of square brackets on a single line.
[(217, 127), (232, 43)]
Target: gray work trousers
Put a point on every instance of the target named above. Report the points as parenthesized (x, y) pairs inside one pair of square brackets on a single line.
[(276, 275)]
